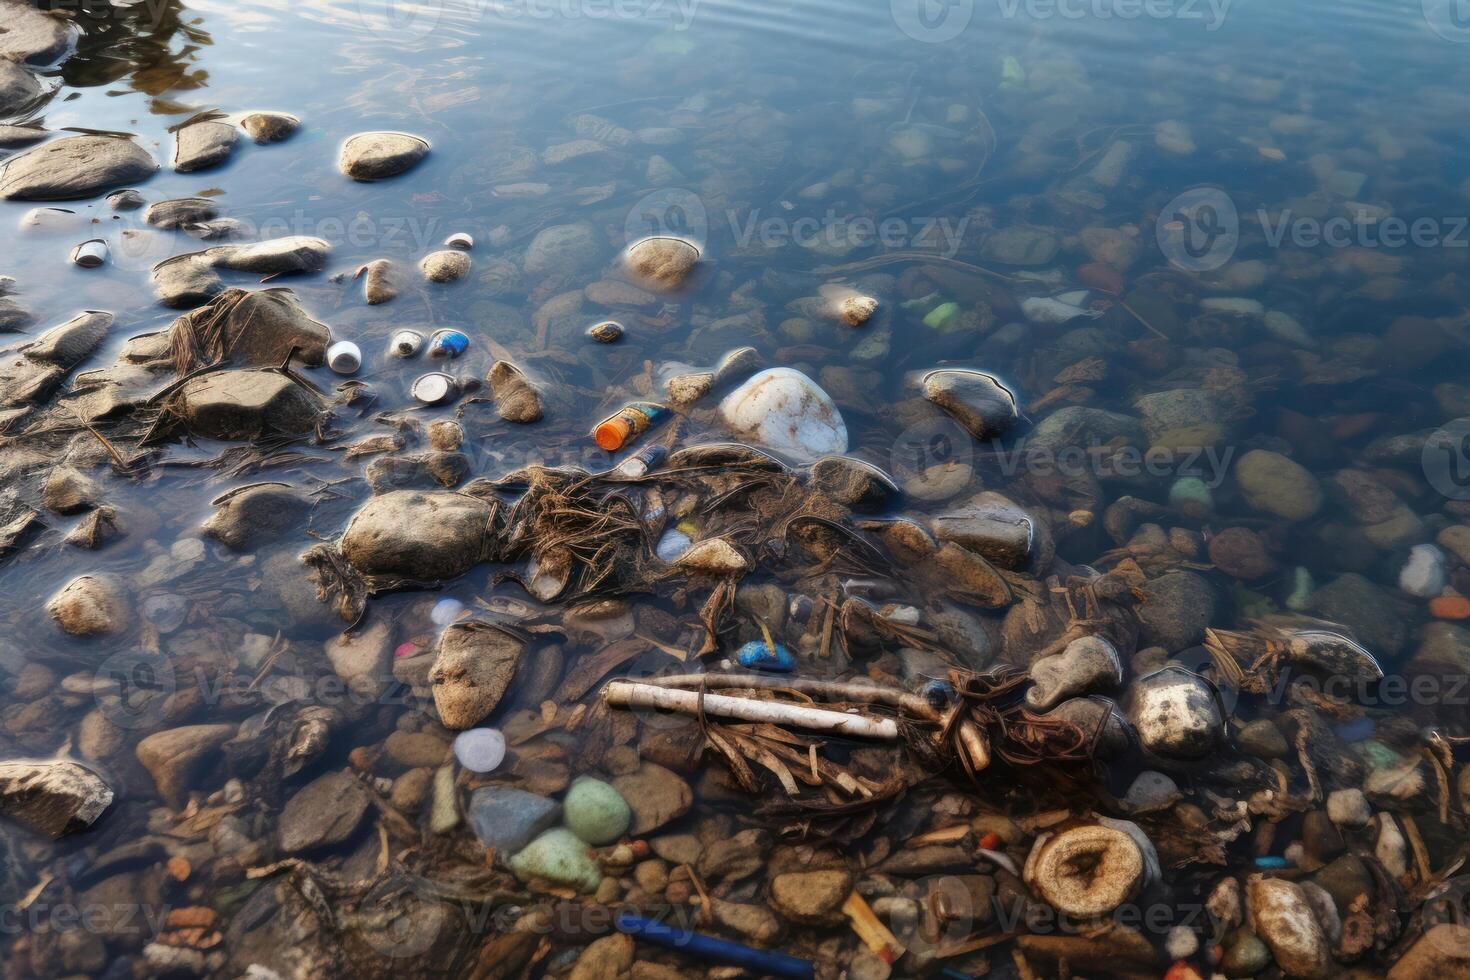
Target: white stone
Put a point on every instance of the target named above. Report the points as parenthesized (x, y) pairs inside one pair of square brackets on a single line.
[(480, 749), (783, 410), (1424, 574), (1349, 808)]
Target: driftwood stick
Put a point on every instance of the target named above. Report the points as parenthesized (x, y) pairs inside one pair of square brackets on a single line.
[(626, 694), (837, 690)]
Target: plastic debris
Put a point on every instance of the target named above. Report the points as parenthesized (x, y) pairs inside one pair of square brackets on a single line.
[(460, 240), (434, 389), (480, 750), (697, 945), (344, 357), (626, 424), (90, 254), (446, 611), (448, 343), (406, 343)]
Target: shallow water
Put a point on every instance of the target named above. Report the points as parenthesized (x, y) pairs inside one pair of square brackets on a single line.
[(1307, 157)]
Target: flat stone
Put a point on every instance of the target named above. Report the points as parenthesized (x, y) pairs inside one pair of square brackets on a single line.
[(181, 211), (249, 516), (473, 669), (74, 167), (507, 819), (247, 405), (202, 145), (278, 256), (32, 35), (656, 796), (324, 812), (269, 127), (18, 89), (427, 536), (174, 757)]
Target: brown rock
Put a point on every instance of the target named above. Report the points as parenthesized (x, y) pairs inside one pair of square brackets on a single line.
[(811, 897), (174, 757), (91, 605), (476, 662), (656, 796), (1240, 553)]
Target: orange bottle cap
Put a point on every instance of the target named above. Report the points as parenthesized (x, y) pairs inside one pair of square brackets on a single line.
[(613, 433)]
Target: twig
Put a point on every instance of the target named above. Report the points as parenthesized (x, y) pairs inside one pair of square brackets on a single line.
[(627, 694), (839, 690)]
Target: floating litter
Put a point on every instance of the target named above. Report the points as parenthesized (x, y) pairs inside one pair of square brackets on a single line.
[(756, 655), (480, 749), (627, 424), (460, 240), (446, 611), (448, 343), (431, 389), (344, 357), (406, 343), (642, 461)]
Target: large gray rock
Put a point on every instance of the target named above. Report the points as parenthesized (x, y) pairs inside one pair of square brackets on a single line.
[(248, 328), (1176, 714), (185, 280), (426, 536), (377, 156), (277, 256), (202, 145), (246, 405), (73, 167), (998, 529), (507, 819), (473, 669), (1175, 610), (18, 89), (979, 402), (32, 35), (53, 798), (250, 516)]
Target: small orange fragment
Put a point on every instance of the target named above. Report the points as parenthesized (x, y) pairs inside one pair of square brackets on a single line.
[(179, 868), (193, 917), (1450, 607), (992, 841)]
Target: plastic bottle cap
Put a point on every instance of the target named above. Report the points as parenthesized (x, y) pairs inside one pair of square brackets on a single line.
[(451, 343), (431, 389), (406, 343), (90, 254), (612, 433), (344, 357), (480, 749)]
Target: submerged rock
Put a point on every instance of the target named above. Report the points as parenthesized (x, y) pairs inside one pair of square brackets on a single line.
[(558, 857), (1281, 915), (74, 167), (1175, 610), (249, 516), (516, 399), (563, 250), (985, 407), (656, 796), (445, 265), (377, 156), (1273, 483), (426, 536), (181, 211), (52, 798), (1088, 665), (472, 671), (1176, 714), (783, 410), (507, 819), (202, 145), (91, 605), (324, 812), (811, 897), (662, 263), (246, 405), (174, 757), (1086, 871), (381, 281), (596, 812), (997, 529), (269, 127)]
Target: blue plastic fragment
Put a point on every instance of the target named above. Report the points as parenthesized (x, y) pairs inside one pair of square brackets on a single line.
[(937, 692), (755, 655), (701, 947), (1272, 861), (1355, 730), (448, 343)]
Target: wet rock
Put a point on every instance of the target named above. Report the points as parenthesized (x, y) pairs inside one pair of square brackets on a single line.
[(378, 156), (656, 796), (1150, 792), (811, 897), (69, 491), (606, 332), (1282, 917), (91, 605), (363, 659), (1443, 952), (18, 89), (426, 536), (1085, 871), (559, 857), (95, 530), (1240, 553), (754, 923), (52, 798), (185, 280), (446, 265), (14, 137), (1274, 484), (1088, 665), (997, 529), (783, 410), (563, 251), (74, 167), (1262, 739), (516, 398), (1245, 955), (1349, 808), (507, 819), (1078, 426), (1424, 574), (181, 212), (713, 556), (474, 666), (246, 405), (1175, 610), (1175, 713), (1367, 610), (249, 516), (609, 958), (985, 407), (596, 812), (855, 483), (174, 758), (269, 127), (278, 256), (32, 35), (662, 263), (324, 812), (1097, 714), (381, 281), (202, 145)]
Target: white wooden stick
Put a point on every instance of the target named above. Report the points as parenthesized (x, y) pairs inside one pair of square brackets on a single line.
[(865, 691), (631, 695)]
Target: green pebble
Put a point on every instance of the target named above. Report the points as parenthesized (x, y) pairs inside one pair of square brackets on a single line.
[(1191, 490), (596, 812), (940, 317), (560, 857), (1302, 588)]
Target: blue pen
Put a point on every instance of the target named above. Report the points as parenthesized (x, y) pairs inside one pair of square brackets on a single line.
[(722, 950)]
